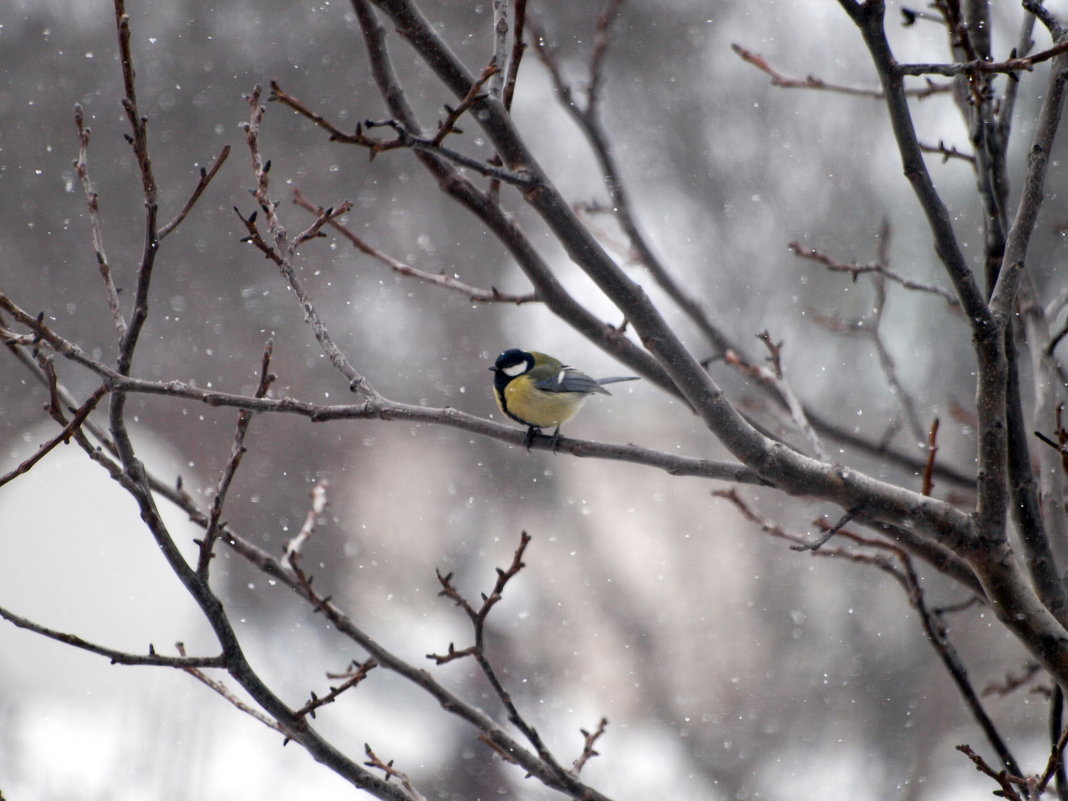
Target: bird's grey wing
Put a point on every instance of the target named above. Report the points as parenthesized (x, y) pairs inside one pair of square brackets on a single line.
[(571, 380), (617, 379)]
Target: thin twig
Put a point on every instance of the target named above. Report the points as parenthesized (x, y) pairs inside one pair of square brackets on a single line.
[(237, 451), (880, 269), (978, 66), (500, 46), (181, 662), (92, 199), (477, 651), (812, 82), (601, 40), (1004, 780), (223, 691), (927, 485), (829, 531), (448, 125), (1012, 681), (353, 677), (587, 117), (392, 773), (282, 250), (518, 48), (903, 571), (205, 178), (948, 153), (139, 144), (774, 378), (69, 428), (475, 294), (588, 750), (311, 520), (870, 326), (1059, 735)]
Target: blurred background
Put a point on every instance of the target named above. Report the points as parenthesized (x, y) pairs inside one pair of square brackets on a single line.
[(728, 665)]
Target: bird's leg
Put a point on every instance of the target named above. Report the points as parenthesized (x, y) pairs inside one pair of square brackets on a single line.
[(555, 441), (528, 440)]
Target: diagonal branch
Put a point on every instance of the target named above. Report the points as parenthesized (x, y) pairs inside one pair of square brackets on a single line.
[(205, 178), (472, 293), (117, 657), (69, 428), (92, 199), (283, 249), (237, 452)]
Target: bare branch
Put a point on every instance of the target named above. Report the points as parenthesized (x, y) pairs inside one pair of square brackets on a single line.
[(500, 46), (205, 178), (392, 773), (220, 688), (81, 167), (775, 379), (353, 677), (472, 293), (947, 153), (981, 67), (69, 428), (311, 520), (518, 48), (932, 449), (1004, 780), (116, 657), (869, 327), (812, 82), (903, 571), (448, 125), (878, 269), (588, 751), (282, 251), (237, 452), (139, 144), (478, 652)]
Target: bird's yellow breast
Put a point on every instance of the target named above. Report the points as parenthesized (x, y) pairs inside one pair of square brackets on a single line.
[(535, 407)]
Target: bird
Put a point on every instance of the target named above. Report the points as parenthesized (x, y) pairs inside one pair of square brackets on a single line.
[(539, 391)]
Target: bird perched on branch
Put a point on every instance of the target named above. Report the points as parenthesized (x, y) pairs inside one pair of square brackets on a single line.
[(540, 391)]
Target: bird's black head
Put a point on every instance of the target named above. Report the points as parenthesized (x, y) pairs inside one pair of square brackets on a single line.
[(513, 362), (509, 365)]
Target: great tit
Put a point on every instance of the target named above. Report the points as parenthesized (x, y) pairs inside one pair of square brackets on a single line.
[(540, 391)]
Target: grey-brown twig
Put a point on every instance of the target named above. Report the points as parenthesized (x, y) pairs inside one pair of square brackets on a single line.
[(69, 428), (206, 174), (812, 82), (588, 750), (237, 452), (478, 652), (92, 200), (116, 657), (391, 772), (472, 293), (282, 249), (855, 270), (311, 520), (352, 677), (775, 378)]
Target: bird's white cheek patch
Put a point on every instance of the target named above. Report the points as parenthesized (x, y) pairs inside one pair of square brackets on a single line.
[(515, 369)]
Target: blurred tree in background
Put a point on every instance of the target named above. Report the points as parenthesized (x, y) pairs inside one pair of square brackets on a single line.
[(256, 260)]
